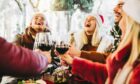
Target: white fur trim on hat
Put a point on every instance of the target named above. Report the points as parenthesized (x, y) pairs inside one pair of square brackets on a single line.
[(132, 9), (99, 19)]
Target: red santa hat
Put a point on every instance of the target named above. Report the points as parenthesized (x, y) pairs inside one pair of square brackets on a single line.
[(99, 18), (132, 9), (102, 18)]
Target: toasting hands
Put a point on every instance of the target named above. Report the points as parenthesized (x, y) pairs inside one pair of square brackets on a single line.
[(46, 54), (67, 58), (73, 51)]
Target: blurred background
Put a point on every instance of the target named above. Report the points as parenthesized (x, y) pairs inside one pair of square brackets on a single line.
[(63, 16)]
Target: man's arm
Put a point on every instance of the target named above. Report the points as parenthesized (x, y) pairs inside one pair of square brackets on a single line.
[(94, 56), (18, 61)]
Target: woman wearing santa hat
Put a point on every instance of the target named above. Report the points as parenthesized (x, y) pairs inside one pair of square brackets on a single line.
[(89, 40), (123, 66)]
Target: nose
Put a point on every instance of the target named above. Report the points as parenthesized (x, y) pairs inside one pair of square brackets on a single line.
[(39, 19), (116, 9), (87, 20)]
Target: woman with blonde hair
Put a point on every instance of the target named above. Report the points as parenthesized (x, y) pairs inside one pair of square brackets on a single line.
[(90, 39), (131, 69), (123, 66)]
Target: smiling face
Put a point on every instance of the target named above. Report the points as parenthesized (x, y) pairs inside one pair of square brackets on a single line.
[(119, 15), (38, 22), (90, 24), (118, 10)]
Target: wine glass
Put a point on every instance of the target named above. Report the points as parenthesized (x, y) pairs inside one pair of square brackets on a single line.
[(43, 41), (62, 44)]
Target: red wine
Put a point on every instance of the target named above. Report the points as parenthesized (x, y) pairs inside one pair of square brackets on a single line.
[(61, 50), (44, 47)]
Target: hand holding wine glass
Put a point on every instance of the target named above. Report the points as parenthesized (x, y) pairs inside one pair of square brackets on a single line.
[(45, 53), (73, 51), (67, 58)]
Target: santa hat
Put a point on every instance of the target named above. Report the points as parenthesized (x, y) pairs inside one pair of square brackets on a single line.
[(99, 18), (132, 9), (102, 18)]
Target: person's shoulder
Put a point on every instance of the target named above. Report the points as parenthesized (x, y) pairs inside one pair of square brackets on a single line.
[(79, 32), (135, 76), (18, 36), (136, 69), (47, 30)]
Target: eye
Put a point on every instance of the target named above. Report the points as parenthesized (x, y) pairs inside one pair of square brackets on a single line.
[(36, 18), (92, 19), (42, 18), (121, 4)]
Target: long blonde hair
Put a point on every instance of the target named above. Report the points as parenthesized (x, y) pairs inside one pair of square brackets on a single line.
[(132, 36)]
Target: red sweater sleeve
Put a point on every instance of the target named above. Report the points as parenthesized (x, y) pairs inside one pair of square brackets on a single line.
[(135, 78), (91, 71), (18, 61)]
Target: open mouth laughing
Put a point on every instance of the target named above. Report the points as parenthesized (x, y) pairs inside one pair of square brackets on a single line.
[(39, 23), (87, 25)]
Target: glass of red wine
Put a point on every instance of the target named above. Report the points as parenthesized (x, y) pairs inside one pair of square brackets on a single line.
[(43, 41), (62, 44)]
